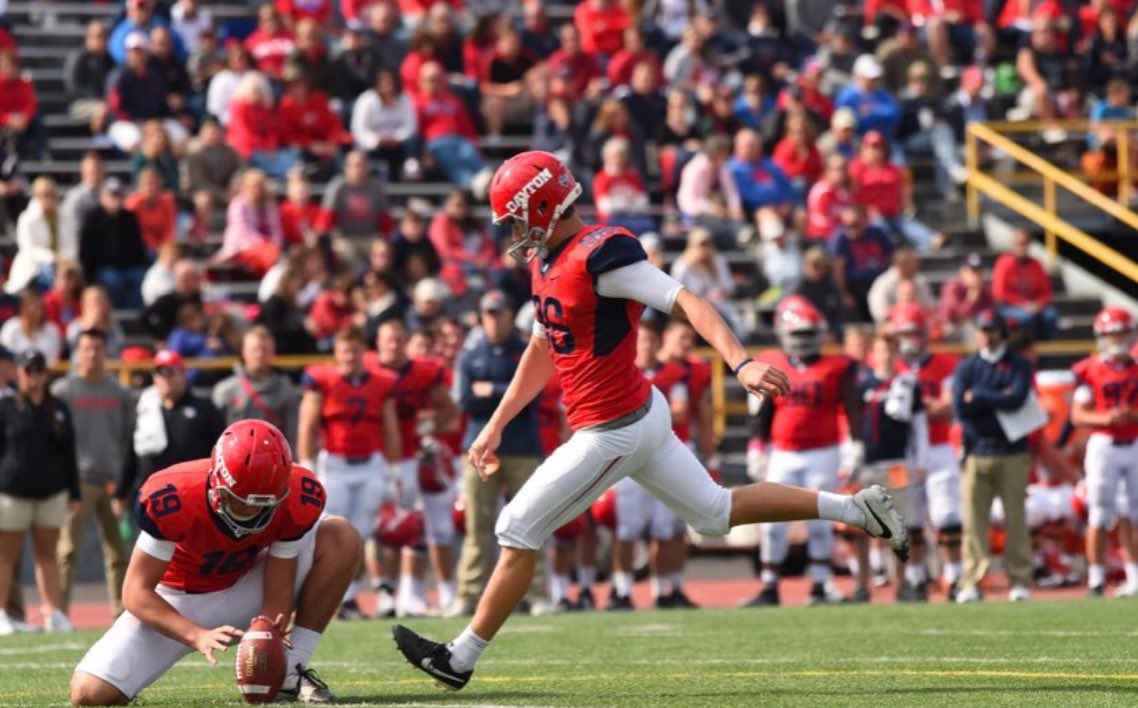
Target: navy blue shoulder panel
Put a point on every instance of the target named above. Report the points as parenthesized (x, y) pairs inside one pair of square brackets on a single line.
[(617, 251)]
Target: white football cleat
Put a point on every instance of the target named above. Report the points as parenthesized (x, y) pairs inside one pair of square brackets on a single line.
[(882, 520), (57, 623), (1019, 593), (967, 595), (1127, 590), (7, 626)]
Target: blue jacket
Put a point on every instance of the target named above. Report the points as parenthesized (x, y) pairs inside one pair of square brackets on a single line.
[(1002, 386), (760, 184), (116, 43), (877, 110), (495, 363)]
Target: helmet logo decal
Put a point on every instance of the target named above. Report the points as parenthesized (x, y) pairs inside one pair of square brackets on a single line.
[(521, 199), (224, 471)]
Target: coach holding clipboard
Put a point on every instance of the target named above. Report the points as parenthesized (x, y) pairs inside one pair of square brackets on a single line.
[(989, 388)]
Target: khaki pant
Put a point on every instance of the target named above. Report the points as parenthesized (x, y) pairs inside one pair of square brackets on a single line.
[(481, 514), (97, 500), (986, 477)]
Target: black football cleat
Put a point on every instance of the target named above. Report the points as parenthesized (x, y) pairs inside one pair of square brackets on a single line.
[(664, 602), (1096, 591), (585, 600), (681, 601), (620, 603), (768, 597), (432, 658)]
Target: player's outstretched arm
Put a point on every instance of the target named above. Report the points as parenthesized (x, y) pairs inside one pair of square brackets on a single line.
[(759, 379), (142, 600), (533, 373)]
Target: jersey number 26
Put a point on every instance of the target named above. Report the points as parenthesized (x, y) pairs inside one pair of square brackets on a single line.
[(550, 313)]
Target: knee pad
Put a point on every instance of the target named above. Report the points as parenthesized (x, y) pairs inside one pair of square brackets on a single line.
[(775, 544)]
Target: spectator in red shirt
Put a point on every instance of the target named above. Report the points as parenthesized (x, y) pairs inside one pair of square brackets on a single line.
[(421, 51), (954, 28), (293, 11), (797, 155), (448, 133), (19, 110), (506, 97), (619, 191), (271, 43), (332, 310), (301, 218), (307, 123), (602, 24), (61, 303), (573, 74), (828, 198), (480, 44), (1022, 289), (459, 238), (635, 51), (963, 297), (880, 186), (254, 129), (154, 207)]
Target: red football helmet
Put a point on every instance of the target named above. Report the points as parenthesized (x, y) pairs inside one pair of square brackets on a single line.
[(800, 326), (909, 322), (436, 466), (251, 464), (533, 189), (604, 509), (1109, 324), (399, 527)]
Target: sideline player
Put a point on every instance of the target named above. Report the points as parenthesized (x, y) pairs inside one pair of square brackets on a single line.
[(803, 431), (590, 287), (348, 414), (1107, 401), (221, 541), (909, 324)]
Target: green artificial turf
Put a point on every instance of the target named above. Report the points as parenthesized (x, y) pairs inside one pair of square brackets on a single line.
[(1059, 653)]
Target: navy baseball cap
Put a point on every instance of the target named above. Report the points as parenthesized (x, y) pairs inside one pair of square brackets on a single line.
[(31, 359), (991, 319)]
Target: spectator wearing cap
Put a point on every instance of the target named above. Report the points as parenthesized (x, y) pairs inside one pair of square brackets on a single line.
[(873, 105), (448, 132), (172, 425), (39, 240), (841, 138), (355, 206), (923, 130), (1022, 289), (861, 252), (271, 43), (102, 413), (154, 207), (619, 191), (484, 371), (190, 21), (634, 52), (38, 481), (139, 93), (161, 315), (255, 391), (819, 286), (354, 68), (427, 300), (139, 20), (880, 186), (993, 380), (963, 297), (211, 165), (308, 124), (112, 250), (883, 293), (798, 156), (573, 73), (96, 312), (83, 198), (459, 238), (384, 123), (760, 181), (85, 75), (827, 198)]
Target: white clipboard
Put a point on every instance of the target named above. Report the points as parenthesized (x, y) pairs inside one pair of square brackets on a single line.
[(1024, 420)]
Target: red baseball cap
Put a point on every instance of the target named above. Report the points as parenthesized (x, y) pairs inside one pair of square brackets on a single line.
[(168, 358), (873, 137)]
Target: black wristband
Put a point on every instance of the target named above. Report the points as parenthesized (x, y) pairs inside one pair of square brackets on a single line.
[(743, 363)]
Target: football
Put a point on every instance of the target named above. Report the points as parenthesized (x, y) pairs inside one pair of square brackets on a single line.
[(260, 665)]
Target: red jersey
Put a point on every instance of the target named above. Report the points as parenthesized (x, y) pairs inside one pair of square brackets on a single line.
[(1113, 384), (602, 30), (270, 50), (173, 506), (351, 411), (808, 416), (413, 383), (933, 375), (592, 339), (881, 187), (307, 121), (673, 380), (824, 207), (549, 416)]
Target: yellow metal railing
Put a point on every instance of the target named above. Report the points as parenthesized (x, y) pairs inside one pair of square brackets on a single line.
[(1047, 216)]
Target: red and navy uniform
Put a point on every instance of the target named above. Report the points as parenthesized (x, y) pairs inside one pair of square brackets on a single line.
[(807, 417), (414, 382), (351, 409), (932, 372), (669, 377), (1114, 384), (173, 506), (886, 438), (592, 339), (549, 416)]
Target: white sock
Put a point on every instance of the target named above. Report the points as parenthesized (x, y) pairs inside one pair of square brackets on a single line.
[(586, 576), (1096, 575), (840, 508), (657, 586), (409, 597), (915, 573), (304, 642), (353, 590), (953, 571), (876, 560), (622, 583), (676, 580), (447, 590), (1132, 573), (465, 650), (819, 572), (558, 587), (769, 577)]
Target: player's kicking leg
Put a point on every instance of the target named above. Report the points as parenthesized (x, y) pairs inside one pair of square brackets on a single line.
[(579, 471), (131, 655)]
